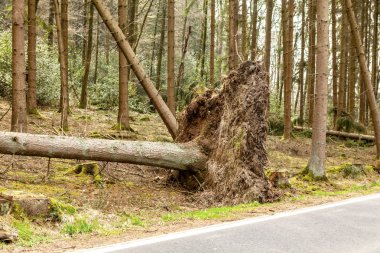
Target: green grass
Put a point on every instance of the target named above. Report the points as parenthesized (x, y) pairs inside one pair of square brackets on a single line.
[(80, 226), (130, 219), (366, 189), (213, 213), (28, 235)]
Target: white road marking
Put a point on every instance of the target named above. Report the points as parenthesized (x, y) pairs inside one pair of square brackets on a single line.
[(223, 226)]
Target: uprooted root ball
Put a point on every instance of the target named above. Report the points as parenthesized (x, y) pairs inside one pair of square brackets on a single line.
[(230, 127)]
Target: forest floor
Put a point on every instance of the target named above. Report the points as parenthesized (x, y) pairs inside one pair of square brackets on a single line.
[(133, 201)]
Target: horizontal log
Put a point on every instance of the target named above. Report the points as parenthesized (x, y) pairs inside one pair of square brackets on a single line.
[(160, 154), (341, 134)]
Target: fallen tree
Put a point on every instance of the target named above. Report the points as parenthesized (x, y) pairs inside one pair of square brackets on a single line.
[(341, 134), (159, 154), (220, 142)]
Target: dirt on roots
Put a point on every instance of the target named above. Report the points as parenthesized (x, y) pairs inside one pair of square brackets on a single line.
[(230, 127)]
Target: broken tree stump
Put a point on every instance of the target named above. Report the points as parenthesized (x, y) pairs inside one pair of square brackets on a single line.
[(32, 205)]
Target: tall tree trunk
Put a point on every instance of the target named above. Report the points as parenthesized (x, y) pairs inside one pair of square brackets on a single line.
[(165, 113), (84, 32), (212, 43), (63, 70), (85, 78), (153, 55), (311, 59), (161, 47), (202, 56), (170, 62), (334, 61), (316, 164), (97, 49), (351, 80), (31, 96), (232, 33), (19, 119), (366, 75), (254, 31), (288, 65), (302, 65), (65, 40), (343, 63), (244, 31), (375, 47), (123, 113), (268, 36), (51, 23)]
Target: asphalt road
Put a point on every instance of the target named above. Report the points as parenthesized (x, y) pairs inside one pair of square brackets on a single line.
[(348, 226)]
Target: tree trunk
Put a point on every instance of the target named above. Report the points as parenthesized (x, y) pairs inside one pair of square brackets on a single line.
[(65, 40), (341, 134), (366, 74), (51, 23), (202, 56), (161, 47), (212, 43), (268, 36), (85, 79), (170, 62), (316, 165), (244, 30), (31, 96), (166, 155), (375, 47), (334, 61), (163, 110), (343, 63), (302, 65), (288, 67), (19, 119), (232, 32), (97, 50), (311, 60), (63, 70), (254, 31), (123, 113)]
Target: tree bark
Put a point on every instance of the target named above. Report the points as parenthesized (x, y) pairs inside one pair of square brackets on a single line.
[(311, 60), (232, 32), (165, 155), (302, 66), (341, 134), (161, 46), (212, 42), (343, 63), (254, 31), (268, 36), (334, 61), (85, 79), (170, 62), (244, 31), (19, 119), (316, 164), (366, 74), (31, 96), (163, 110), (288, 67), (123, 113), (375, 47), (63, 70)]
